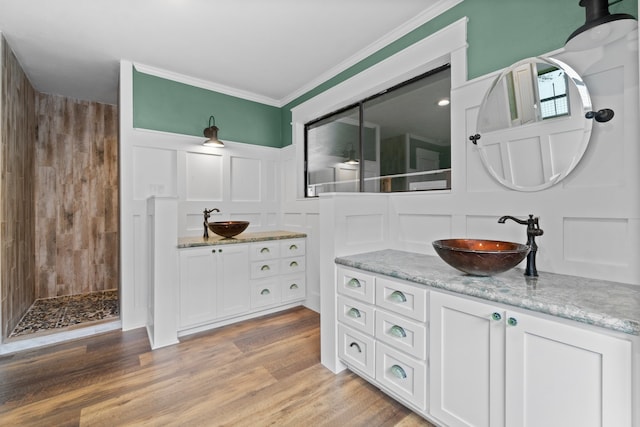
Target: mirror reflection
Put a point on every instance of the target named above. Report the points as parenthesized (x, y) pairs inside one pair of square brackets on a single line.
[(532, 124)]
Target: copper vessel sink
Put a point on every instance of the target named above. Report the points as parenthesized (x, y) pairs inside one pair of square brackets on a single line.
[(480, 257), (228, 228)]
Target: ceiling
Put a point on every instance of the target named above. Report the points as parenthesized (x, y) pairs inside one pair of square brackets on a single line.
[(273, 49)]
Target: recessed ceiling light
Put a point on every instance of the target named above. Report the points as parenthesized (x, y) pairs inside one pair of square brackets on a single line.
[(443, 102)]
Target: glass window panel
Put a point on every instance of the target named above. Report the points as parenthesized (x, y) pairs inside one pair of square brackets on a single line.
[(333, 154), (415, 136)]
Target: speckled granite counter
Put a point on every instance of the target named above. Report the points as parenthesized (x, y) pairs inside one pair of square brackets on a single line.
[(192, 242), (609, 305)]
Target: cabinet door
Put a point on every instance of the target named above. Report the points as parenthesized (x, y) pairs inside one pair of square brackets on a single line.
[(563, 375), (198, 281), (234, 289), (467, 362)]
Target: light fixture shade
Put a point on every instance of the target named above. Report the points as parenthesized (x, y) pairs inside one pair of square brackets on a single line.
[(600, 27), (212, 134)]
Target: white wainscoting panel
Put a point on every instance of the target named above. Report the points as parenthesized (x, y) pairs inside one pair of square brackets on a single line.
[(245, 179), (293, 219), (203, 176), (415, 232), (601, 166), (154, 172), (362, 229), (603, 241)]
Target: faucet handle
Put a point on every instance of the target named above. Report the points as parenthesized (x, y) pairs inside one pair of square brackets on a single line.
[(536, 232)]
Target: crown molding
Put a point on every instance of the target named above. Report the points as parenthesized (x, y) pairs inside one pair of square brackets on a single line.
[(374, 47), (205, 84)]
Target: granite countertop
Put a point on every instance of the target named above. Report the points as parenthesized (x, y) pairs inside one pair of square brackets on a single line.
[(601, 303), (192, 242)]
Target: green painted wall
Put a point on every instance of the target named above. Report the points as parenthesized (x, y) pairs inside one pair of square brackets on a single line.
[(166, 105), (499, 32)]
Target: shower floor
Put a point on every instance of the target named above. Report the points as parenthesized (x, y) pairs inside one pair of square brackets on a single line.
[(48, 315)]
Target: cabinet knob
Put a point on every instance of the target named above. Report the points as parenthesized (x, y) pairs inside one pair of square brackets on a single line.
[(355, 344), (397, 296), (293, 264), (264, 250), (398, 372), (293, 286), (353, 312), (512, 321), (293, 248), (265, 268), (496, 316), (398, 331), (265, 292), (354, 283)]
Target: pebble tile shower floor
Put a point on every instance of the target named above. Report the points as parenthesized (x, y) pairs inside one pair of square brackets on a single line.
[(61, 312)]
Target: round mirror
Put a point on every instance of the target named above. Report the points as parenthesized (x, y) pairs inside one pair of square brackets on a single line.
[(532, 124)]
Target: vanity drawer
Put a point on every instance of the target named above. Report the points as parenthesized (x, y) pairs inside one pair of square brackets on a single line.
[(357, 315), (402, 375), (293, 288), (356, 284), (402, 334), (266, 268), (265, 293), (401, 298), (289, 248), (264, 250), (356, 350), (292, 265)]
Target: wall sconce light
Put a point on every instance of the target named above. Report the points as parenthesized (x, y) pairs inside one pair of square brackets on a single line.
[(600, 27), (212, 133), (351, 157)]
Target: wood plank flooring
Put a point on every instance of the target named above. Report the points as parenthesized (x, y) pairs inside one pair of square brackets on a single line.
[(261, 372)]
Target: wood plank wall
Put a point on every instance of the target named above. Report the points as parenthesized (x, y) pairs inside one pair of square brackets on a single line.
[(17, 217), (76, 197)]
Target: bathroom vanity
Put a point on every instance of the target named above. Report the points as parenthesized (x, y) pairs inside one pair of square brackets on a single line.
[(198, 283), (224, 280), (493, 351)]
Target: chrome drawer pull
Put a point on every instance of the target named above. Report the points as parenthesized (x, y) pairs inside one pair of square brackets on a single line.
[(357, 346), (265, 268), (398, 331), (354, 312), (398, 372), (264, 250), (354, 283), (293, 286), (496, 316), (512, 321), (397, 296), (265, 292), (293, 264)]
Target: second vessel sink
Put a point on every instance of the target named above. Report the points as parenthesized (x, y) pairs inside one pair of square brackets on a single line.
[(481, 257), (228, 228)]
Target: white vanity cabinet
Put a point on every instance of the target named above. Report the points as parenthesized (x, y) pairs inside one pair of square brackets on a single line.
[(214, 283), (220, 283), (492, 366), (382, 333), (277, 272)]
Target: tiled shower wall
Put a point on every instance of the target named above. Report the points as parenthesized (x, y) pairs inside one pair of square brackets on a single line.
[(17, 216), (76, 174)]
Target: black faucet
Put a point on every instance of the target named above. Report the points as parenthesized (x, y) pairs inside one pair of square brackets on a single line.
[(533, 230), (207, 214)]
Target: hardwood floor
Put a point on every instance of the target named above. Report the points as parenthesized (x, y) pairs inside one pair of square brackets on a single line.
[(260, 372)]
